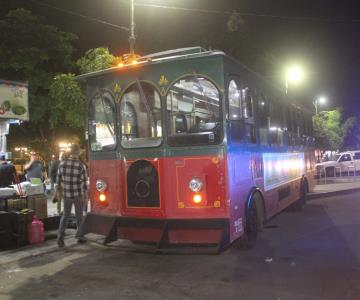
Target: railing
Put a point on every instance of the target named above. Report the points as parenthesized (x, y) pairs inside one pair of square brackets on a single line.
[(338, 172)]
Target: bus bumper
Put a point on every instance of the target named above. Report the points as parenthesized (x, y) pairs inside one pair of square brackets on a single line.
[(168, 235)]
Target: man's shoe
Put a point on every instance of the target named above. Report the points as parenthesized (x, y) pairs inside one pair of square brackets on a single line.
[(82, 240), (60, 243)]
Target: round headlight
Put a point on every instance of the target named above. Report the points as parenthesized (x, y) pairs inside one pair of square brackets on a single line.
[(195, 185), (101, 185)]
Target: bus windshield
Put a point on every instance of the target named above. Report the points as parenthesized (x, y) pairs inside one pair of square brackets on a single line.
[(101, 124), (140, 115), (193, 112)]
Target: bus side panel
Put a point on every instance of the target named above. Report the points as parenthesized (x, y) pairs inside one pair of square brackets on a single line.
[(110, 171), (240, 182)]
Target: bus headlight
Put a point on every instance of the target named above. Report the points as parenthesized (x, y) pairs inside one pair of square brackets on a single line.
[(101, 185), (195, 185), (197, 198)]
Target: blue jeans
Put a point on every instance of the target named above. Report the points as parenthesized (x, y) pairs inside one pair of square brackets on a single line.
[(79, 203)]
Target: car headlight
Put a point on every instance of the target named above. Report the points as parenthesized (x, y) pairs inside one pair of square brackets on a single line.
[(101, 185), (195, 185)]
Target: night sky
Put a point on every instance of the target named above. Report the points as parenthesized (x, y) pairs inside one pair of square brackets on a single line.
[(323, 35)]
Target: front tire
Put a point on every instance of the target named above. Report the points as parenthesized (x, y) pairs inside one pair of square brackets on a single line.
[(248, 241)]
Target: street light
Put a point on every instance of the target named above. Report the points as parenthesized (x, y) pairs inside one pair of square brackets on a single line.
[(317, 101), (293, 74)]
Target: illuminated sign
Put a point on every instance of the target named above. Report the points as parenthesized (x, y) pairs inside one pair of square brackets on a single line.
[(280, 168)]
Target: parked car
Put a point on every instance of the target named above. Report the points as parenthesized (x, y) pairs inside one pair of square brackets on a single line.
[(344, 162)]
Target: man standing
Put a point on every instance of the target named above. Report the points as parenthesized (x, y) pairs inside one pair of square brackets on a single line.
[(72, 178), (7, 173)]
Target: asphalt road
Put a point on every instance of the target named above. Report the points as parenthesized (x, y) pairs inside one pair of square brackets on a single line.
[(314, 254)]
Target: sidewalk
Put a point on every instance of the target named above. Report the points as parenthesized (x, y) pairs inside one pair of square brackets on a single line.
[(335, 186)]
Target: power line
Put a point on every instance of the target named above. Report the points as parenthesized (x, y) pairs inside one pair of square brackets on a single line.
[(280, 17), (69, 12), (196, 10)]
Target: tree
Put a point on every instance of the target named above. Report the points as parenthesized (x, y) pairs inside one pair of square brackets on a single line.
[(96, 59), (66, 96), (67, 101), (34, 52), (330, 130)]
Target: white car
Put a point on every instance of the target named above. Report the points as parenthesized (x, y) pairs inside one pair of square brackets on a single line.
[(344, 162)]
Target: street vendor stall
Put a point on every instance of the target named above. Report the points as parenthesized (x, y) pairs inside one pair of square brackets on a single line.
[(19, 202)]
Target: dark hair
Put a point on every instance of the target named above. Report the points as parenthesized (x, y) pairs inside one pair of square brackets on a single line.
[(75, 149)]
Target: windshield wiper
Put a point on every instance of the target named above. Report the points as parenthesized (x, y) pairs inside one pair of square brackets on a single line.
[(109, 124), (147, 106)]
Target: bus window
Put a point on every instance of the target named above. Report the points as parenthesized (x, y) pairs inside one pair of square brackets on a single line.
[(262, 117), (140, 116), (235, 103), (262, 111), (101, 124), (128, 120), (247, 111), (180, 123), (193, 112)]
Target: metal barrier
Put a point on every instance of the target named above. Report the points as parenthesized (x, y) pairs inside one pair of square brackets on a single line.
[(351, 169), (339, 171)]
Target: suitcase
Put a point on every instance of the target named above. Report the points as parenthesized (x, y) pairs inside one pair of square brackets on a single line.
[(20, 221)]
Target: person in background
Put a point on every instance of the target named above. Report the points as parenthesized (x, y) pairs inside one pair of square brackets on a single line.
[(72, 177), (7, 173), (53, 168), (35, 168), (53, 174)]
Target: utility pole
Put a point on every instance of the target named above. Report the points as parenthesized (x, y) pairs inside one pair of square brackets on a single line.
[(132, 37)]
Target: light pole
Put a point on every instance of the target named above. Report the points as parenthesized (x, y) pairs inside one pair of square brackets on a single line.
[(132, 37), (317, 101)]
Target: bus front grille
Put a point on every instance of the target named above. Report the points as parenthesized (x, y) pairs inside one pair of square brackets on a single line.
[(142, 185)]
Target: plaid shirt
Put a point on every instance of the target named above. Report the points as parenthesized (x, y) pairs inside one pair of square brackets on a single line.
[(72, 177)]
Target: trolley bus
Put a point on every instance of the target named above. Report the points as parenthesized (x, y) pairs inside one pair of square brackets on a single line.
[(188, 148)]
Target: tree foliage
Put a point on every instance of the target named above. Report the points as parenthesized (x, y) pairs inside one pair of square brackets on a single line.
[(34, 52), (66, 96), (96, 59), (330, 130), (67, 101)]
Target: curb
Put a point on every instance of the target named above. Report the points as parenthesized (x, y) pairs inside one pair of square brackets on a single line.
[(312, 196)]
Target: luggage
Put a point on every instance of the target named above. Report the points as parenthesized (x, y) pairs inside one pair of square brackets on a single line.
[(20, 221), (6, 234)]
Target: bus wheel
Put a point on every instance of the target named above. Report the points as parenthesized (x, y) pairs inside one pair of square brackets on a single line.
[(248, 241), (300, 203)]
